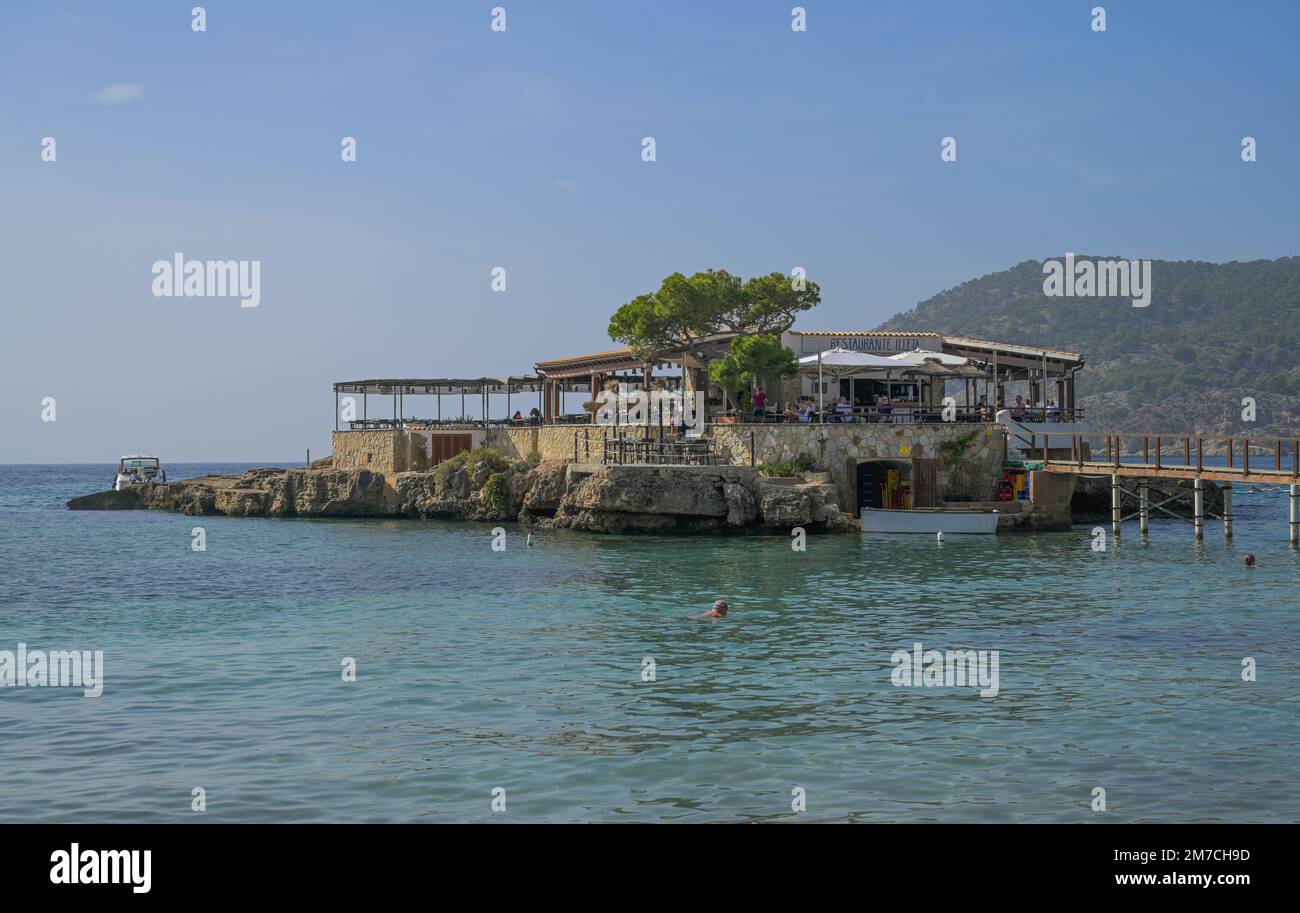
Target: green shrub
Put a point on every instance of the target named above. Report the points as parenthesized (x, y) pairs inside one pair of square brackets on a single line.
[(490, 454), (801, 463), (449, 466), (527, 463), (468, 460), (496, 494)]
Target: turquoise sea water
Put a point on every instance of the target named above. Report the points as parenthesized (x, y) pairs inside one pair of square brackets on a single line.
[(523, 670)]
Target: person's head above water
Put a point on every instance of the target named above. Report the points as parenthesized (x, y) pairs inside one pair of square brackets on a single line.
[(1250, 561), (719, 610)]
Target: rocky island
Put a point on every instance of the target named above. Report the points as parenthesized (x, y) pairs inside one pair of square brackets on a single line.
[(483, 485)]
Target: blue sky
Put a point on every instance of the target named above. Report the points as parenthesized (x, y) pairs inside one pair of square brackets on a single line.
[(521, 149)]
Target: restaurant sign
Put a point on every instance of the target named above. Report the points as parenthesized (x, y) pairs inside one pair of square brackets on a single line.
[(884, 345)]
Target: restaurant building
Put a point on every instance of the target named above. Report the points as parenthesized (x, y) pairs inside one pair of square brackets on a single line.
[(874, 459), (1039, 374)]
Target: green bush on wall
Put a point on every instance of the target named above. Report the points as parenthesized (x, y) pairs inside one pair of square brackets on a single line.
[(496, 493), (776, 468), (467, 459), (528, 462)]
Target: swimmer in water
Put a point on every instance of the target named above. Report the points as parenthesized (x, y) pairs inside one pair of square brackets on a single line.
[(1250, 561), (719, 610)]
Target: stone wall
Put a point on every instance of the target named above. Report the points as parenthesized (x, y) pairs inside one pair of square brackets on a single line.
[(834, 447), (392, 450), (831, 446), (1052, 487), (553, 442), (373, 450), (410, 449)]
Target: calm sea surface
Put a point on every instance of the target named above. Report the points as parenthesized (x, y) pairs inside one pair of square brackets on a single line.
[(523, 670)]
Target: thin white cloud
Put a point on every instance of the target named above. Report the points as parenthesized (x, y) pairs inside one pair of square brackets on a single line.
[(118, 93)]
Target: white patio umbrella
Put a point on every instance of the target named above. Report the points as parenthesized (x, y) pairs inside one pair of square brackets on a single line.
[(843, 363), (939, 365), (921, 356), (924, 361)]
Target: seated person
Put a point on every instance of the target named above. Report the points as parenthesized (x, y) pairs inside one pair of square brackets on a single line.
[(884, 407), (843, 410), (517, 418), (807, 410), (534, 416), (791, 413), (1053, 411), (984, 411)]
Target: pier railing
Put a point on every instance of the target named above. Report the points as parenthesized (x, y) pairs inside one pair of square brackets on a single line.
[(1270, 459), (1197, 457)]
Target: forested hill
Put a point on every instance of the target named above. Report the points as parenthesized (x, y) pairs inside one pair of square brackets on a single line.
[(1212, 334)]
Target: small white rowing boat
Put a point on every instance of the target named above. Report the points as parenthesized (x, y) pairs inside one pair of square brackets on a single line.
[(929, 520)]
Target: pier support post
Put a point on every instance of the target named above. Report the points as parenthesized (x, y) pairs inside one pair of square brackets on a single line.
[(1227, 510), (1198, 508), (1295, 514), (1144, 506), (1114, 504)]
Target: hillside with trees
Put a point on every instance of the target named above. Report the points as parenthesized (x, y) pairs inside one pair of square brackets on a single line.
[(1213, 334)]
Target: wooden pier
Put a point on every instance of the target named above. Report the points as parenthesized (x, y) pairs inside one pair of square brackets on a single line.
[(1176, 457)]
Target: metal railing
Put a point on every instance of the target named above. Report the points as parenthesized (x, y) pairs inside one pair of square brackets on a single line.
[(619, 450), (1178, 454), (895, 415), (857, 415), (380, 424)]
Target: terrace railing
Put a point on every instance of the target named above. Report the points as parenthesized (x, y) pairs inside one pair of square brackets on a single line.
[(377, 424), (620, 450), (899, 415)]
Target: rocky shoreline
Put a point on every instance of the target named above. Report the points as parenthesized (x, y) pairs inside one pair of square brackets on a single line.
[(483, 487)]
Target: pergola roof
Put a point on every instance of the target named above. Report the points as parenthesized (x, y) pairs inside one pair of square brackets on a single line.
[(593, 356), (594, 363), (441, 385), (1010, 353), (879, 333)]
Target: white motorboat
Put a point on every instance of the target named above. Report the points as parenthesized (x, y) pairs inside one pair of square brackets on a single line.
[(929, 520), (136, 471)]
